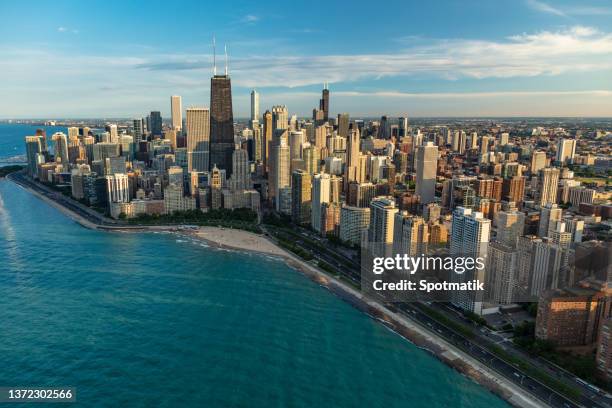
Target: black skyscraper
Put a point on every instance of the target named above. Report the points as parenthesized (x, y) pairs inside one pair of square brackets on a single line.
[(156, 123), (221, 123), (324, 103)]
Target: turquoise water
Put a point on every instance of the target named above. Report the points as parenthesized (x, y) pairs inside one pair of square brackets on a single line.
[(141, 320)]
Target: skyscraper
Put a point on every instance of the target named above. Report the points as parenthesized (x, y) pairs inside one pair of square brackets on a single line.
[(254, 105), (138, 130), (198, 139), (402, 126), (60, 148), (33, 150), (353, 221), (343, 124), (118, 188), (469, 238), (321, 189), (510, 225), (380, 233), (279, 171), (410, 234), (324, 102), (301, 197), (176, 106), (156, 123), (426, 167), (280, 117), (538, 162), (221, 121), (352, 158), (241, 176), (566, 149), (550, 214), (548, 183), (266, 139)]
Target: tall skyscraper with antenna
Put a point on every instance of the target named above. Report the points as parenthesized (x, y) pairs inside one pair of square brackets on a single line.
[(221, 118), (324, 102)]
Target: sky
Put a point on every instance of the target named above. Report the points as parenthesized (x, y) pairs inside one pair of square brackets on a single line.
[(401, 58)]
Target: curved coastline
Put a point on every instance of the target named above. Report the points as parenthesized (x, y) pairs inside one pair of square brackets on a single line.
[(239, 240)]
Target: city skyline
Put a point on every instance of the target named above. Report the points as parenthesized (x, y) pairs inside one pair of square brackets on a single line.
[(536, 59)]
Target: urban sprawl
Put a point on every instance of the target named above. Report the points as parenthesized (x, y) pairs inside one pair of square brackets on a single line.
[(533, 200)]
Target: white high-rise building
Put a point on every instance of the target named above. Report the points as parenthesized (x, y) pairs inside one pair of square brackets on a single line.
[(550, 214), (118, 188), (254, 105), (114, 134), (61, 148), (176, 106), (321, 189), (281, 177), (241, 176), (198, 139), (280, 117), (73, 132), (470, 234), (426, 166), (538, 161), (566, 149), (410, 234), (510, 225), (380, 234), (548, 183), (502, 273)]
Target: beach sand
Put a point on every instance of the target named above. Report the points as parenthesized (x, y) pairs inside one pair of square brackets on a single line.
[(238, 239)]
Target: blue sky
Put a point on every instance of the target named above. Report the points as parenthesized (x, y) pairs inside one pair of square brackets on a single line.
[(415, 58)]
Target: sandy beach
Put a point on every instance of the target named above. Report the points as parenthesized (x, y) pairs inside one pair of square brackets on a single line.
[(238, 239)]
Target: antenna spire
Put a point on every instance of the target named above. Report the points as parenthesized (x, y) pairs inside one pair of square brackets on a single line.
[(226, 59), (214, 56)]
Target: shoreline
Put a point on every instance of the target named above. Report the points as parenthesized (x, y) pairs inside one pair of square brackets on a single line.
[(240, 240)]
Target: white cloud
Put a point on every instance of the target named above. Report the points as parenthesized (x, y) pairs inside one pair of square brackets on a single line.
[(544, 7), (574, 50), (250, 18), (40, 78), (566, 11), (63, 29)]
